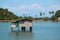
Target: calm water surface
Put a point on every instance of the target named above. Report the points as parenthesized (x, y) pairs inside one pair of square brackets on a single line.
[(41, 31)]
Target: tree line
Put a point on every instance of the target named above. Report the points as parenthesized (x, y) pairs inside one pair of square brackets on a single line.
[(5, 14)]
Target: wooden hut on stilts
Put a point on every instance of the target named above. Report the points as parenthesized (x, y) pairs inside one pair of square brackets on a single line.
[(23, 23)]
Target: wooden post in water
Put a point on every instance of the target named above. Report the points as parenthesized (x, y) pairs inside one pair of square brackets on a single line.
[(11, 28), (30, 28), (23, 28), (18, 29)]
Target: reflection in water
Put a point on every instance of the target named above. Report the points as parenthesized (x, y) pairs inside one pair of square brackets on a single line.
[(22, 35)]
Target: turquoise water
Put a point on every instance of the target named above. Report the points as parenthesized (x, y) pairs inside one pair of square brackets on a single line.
[(41, 31)]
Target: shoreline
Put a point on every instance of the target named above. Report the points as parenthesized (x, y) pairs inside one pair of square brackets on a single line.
[(6, 20), (33, 20)]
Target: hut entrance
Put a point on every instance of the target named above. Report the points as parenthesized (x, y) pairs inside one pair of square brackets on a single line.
[(17, 24)]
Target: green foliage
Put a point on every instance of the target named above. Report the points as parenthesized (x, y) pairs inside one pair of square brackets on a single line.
[(7, 15), (46, 19), (40, 14), (53, 18), (51, 12), (28, 17), (57, 14)]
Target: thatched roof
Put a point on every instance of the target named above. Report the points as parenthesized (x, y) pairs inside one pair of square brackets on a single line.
[(24, 20)]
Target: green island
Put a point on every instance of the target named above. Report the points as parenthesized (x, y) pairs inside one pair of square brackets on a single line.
[(6, 15)]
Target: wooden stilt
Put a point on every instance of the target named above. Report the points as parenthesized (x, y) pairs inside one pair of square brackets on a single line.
[(18, 29), (23, 28), (30, 28), (11, 28)]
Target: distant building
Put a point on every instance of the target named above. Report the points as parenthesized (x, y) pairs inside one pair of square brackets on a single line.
[(58, 18), (23, 23)]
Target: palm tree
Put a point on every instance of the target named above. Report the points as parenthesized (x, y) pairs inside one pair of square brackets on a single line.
[(49, 12), (41, 15), (52, 12)]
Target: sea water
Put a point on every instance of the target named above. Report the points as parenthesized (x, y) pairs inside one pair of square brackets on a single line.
[(40, 31)]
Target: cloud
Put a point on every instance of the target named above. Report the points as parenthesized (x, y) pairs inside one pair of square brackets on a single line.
[(36, 6), (54, 8), (33, 8), (23, 7)]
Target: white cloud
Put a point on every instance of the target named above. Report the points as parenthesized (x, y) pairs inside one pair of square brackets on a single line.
[(23, 8), (54, 8), (33, 8), (36, 6)]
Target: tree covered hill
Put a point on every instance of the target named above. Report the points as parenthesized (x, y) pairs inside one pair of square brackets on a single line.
[(7, 15)]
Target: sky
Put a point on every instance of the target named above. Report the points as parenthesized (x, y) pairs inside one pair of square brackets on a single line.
[(31, 7)]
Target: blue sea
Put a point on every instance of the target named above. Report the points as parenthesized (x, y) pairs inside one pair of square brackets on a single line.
[(40, 31)]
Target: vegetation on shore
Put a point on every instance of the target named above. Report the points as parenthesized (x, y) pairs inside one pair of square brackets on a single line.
[(56, 15), (7, 15)]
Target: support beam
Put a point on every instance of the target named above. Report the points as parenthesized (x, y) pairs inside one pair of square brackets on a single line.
[(30, 28), (23, 28), (11, 28), (18, 29)]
